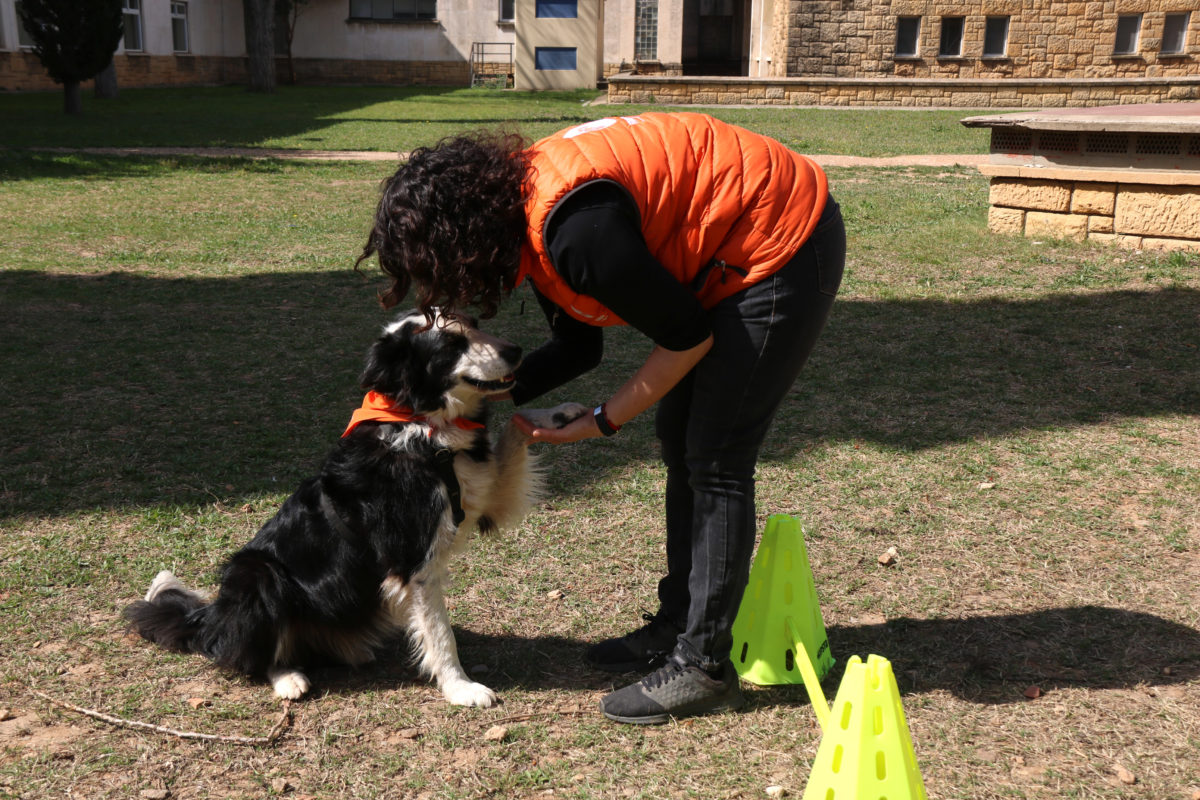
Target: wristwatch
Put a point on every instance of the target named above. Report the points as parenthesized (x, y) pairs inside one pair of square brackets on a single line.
[(602, 422)]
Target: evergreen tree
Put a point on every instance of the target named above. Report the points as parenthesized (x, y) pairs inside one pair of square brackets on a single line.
[(74, 40)]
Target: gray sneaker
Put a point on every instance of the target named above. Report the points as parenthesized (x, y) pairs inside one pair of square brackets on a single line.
[(677, 689)]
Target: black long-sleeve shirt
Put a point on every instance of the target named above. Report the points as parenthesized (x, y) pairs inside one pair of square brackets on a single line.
[(595, 242)]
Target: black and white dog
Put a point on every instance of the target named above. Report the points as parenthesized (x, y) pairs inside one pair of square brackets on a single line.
[(360, 551)]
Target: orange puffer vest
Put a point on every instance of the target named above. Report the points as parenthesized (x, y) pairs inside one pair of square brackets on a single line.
[(720, 206)]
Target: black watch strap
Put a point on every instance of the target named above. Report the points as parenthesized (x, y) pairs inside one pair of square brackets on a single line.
[(602, 422)]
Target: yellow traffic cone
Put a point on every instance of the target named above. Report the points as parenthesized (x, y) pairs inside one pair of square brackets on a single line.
[(779, 634), (866, 751)]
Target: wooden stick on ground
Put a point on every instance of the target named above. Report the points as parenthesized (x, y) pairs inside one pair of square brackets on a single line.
[(272, 735)]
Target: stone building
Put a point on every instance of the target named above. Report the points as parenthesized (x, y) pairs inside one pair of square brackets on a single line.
[(841, 52), (909, 52)]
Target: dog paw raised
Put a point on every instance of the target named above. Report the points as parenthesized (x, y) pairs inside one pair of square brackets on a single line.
[(468, 693), (289, 684), (558, 417)]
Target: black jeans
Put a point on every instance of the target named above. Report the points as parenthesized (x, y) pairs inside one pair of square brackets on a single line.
[(712, 425)]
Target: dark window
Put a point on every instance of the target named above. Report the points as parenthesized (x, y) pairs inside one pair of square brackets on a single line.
[(995, 37), (507, 10), (908, 33), (179, 27), (950, 45), (1175, 33), (132, 9), (1128, 28), (556, 9), (547, 58), (23, 37), (393, 9)]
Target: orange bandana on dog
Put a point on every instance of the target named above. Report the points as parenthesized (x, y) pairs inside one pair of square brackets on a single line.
[(378, 407)]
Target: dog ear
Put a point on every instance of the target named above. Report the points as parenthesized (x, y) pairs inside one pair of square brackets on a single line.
[(413, 367), (388, 362)]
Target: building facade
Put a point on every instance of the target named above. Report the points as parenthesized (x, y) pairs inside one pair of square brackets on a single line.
[(905, 38), (890, 44)]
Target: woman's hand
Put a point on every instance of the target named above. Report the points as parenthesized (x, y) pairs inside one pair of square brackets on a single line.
[(582, 428), (657, 376), (544, 424)]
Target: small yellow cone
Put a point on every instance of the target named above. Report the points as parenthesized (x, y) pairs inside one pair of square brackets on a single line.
[(779, 625), (866, 751)]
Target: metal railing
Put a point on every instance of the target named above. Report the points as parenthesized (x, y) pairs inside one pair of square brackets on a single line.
[(492, 64)]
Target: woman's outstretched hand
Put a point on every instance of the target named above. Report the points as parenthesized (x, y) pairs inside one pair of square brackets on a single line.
[(584, 427), (549, 424)]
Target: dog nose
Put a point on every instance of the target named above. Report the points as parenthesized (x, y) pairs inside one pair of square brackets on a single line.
[(511, 353)]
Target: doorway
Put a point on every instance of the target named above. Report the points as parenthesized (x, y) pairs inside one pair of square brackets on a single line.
[(716, 37)]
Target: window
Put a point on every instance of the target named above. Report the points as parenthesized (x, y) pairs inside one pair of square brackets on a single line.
[(179, 27), (393, 9), (908, 33), (24, 40), (645, 30), (556, 9), (995, 37), (547, 58), (508, 11), (1128, 28), (1174, 38), (133, 24), (950, 45)]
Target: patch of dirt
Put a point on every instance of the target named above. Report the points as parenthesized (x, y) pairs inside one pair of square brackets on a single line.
[(28, 731)]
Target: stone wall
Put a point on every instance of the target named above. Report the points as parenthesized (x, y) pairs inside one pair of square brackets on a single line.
[(21, 71), (389, 73), (1059, 38), (917, 93), (1138, 215)]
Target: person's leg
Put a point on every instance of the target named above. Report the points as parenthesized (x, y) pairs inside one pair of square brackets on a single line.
[(762, 338), (647, 647), (711, 429), (671, 425)]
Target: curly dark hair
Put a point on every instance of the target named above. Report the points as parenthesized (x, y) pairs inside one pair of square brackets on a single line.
[(451, 223)]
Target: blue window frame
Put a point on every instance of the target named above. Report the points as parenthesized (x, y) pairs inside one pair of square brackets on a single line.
[(557, 9), (547, 58)]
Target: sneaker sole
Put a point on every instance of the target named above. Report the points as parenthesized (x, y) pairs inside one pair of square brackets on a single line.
[(659, 719)]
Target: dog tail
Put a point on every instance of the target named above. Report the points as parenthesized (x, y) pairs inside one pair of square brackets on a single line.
[(170, 616), (244, 628)]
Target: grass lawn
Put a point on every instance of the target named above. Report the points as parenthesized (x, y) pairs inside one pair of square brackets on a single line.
[(179, 345), (399, 119)]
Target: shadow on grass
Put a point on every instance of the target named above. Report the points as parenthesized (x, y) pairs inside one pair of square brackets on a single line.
[(30, 165), (994, 659), (343, 117), (123, 390), (982, 659), (191, 117)]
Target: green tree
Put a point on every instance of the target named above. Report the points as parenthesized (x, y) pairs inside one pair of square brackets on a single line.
[(74, 40)]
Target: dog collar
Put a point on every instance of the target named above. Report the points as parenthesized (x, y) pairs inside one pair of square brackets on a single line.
[(377, 407)]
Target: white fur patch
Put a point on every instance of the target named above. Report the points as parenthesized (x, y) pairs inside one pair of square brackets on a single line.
[(290, 684)]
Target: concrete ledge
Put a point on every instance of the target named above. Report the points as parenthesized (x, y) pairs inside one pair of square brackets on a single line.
[(977, 83), (899, 91), (1091, 175)]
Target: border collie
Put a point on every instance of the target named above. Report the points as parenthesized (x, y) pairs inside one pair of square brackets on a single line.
[(360, 551)]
